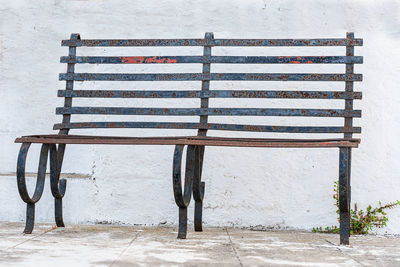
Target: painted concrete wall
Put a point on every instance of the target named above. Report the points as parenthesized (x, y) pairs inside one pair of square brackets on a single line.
[(244, 187)]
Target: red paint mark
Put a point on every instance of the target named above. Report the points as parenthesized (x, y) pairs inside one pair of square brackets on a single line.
[(296, 62), (160, 60), (309, 62), (132, 60), (140, 60)]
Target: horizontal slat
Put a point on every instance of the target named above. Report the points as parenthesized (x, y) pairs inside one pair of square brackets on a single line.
[(209, 126), (188, 140), (216, 59), (210, 94), (134, 42), (211, 111), (214, 42), (286, 42), (212, 76)]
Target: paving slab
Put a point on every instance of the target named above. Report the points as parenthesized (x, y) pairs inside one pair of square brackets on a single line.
[(107, 245), (160, 245)]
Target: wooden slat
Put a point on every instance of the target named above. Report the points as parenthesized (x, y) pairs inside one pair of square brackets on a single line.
[(211, 111), (210, 94), (215, 59), (209, 126), (215, 42), (212, 76)]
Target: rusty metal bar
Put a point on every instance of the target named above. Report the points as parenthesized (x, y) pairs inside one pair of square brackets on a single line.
[(210, 94), (209, 126), (344, 194), (198, 188), (205, 83), (348, 122), (214, 59), (181, 140), (216, 42), (57, 186), (40, 181), (338, 77), (183, 199), (69, 82), (211, 111), (198, 191)]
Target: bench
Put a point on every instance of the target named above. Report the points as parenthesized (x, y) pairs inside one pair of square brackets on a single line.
[(54, 145)]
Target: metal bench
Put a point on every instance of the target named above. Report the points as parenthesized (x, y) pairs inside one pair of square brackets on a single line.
[(55, 144)]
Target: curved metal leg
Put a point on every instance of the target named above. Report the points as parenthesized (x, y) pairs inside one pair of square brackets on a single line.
[(198, 189), (57, 186), (183, 200), (21, 183)]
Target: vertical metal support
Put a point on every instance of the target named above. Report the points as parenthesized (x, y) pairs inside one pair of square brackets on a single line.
[(344, 193), (58, 212), (63, 184), (348, 121), (57, 186), (182, 232), (198, 186), (69, 86), (57, 162), (30, 218), (205, 83), (198, 189), (348, 124)]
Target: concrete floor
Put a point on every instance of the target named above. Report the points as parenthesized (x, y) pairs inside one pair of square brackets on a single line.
[(102, 245)]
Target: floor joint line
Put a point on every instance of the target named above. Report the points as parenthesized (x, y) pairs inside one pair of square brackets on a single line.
[(342, 252), (233, 248), (125, 249), (30, 239)]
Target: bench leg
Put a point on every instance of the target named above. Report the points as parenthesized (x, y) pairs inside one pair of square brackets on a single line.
[(183, 200), (21, 183), (58, 186), (344, 194), (30, 218), (58, 212), (198, 189), (182, 223)]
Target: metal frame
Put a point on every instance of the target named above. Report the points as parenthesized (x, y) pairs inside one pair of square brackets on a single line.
[(55, 145)]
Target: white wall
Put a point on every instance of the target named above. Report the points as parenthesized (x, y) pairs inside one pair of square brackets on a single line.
[(244, 187)]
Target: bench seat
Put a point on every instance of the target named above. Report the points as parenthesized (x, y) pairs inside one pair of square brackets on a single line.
[(188, 140)]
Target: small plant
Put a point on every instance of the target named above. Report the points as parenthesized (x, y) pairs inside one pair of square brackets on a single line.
[(361, 222)]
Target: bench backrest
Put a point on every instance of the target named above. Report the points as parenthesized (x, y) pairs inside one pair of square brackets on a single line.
[(204, 93)]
